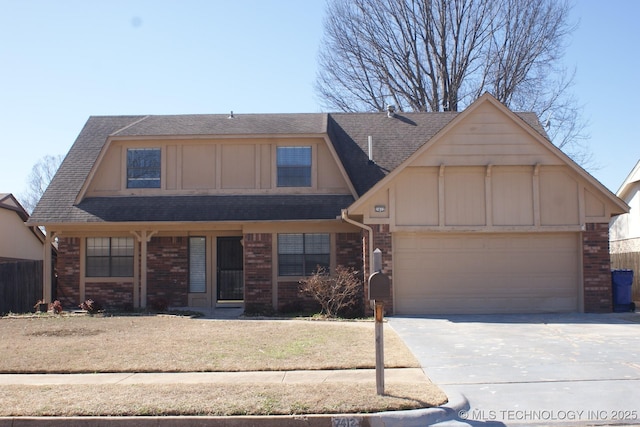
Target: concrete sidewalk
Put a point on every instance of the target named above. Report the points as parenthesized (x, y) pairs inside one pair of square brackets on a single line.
[(402, 375)]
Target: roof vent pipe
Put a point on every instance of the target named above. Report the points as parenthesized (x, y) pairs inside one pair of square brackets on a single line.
[(370, 142), (391, 111)]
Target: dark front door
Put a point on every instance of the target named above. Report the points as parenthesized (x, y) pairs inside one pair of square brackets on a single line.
[(230, 283)]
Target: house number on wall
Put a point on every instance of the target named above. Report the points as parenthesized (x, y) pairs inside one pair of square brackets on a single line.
[(346, 421)]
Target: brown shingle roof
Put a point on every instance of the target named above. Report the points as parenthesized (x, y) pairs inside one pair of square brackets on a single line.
[(208, 208), (394, 140), (220, 124)]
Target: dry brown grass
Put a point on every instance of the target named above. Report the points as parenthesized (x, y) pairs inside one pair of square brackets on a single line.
[(79, 344), (212, 399)]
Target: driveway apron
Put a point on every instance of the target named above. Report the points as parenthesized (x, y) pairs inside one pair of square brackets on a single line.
[(545, 369)]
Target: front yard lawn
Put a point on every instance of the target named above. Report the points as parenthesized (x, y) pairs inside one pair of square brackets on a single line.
[(85, 344)]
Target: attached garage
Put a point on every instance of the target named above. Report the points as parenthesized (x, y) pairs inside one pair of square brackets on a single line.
[(488, 216), (486, 273)]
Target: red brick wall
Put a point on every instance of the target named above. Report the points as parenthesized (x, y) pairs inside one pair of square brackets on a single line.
[(68, 267), (117, 295), (349, 250), (381, 240), (596, 263), (292, 300), (348, 253), (167, 272), (258, 272)]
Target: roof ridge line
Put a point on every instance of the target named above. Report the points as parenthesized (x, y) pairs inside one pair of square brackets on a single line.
[(131, 124)]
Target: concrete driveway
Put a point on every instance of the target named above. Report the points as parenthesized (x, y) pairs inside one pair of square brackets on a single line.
[(574, 369)]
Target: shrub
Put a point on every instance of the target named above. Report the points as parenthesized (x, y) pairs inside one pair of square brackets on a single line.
[(337, 294), (91, 306), (57, 307)]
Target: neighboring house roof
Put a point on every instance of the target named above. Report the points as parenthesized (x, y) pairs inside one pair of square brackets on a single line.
[(10, 203), (7, 201), (394, 139), (627, 185)]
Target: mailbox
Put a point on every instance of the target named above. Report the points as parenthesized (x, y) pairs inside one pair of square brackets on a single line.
[(379, 286)]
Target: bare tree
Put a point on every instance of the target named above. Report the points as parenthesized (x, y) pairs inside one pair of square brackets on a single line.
[(41, 175), (441, 55)]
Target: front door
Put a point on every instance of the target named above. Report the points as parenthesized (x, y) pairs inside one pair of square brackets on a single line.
[(230, 274)]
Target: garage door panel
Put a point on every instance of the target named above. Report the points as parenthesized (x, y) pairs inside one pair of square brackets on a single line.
[(514, 273), (450, 305)]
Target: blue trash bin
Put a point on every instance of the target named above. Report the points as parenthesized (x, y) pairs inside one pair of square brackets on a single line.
[(622, 281)]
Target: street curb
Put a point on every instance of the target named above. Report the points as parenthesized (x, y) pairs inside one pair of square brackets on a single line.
[(411, 418), (421, 417)]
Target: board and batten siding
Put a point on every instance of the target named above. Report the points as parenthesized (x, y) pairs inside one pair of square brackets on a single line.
[(217, 166), (486, 217)]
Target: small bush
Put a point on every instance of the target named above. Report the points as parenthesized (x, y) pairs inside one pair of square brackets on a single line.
[(337, 294), (56, 306), (91, 306)]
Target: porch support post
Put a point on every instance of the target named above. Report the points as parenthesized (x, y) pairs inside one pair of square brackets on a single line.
[(47, 293), (143, 269), (143, 237)]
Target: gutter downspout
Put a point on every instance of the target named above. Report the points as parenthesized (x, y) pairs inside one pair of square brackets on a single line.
[(345, 217)]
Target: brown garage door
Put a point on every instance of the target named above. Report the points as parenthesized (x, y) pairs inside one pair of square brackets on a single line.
[(485, 273)]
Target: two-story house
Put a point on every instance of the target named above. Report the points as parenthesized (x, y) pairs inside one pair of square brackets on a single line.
[(475, 212)]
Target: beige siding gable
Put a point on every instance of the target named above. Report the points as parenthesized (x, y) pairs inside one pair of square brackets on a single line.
[(108, 178), (197, 167), (514, 186), (486, 136), (558, 198), (491, 198), (418, 188), (229, 165), (488, 171)]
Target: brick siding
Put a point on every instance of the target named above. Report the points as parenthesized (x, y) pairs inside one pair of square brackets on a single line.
[(381, 240), (167, 272), (111, 295), (258, 272), (292, 300), (68, 268), (596, 263), (349, 250)]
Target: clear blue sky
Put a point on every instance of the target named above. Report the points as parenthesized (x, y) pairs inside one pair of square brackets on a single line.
[(63, 61)]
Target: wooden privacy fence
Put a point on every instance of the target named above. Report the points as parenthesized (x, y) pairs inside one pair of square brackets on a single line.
[(629, 261), (20, 286)]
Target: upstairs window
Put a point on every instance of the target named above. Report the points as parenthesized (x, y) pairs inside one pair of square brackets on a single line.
[(143, 168), (294, 166), (109, 257), (302, 254)]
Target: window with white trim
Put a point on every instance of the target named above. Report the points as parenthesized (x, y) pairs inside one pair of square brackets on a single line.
[(302, 254)]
